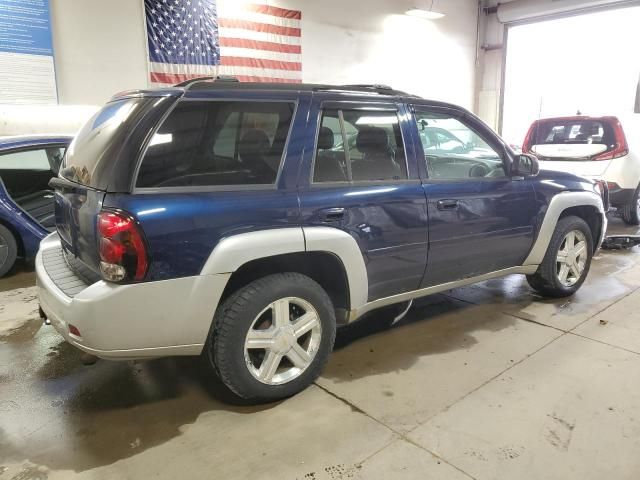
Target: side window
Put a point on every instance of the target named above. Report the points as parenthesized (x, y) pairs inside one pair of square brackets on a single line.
[(359, 146), (454, 151), (331, 162), (218, 143), (40, 159)]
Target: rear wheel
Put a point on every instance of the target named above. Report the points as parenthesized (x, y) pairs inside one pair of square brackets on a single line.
[(271, 338), (8, 250), (567, 261), (631, 211)]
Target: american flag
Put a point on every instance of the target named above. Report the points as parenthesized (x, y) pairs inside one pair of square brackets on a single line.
[(253, 42), (183, 39)]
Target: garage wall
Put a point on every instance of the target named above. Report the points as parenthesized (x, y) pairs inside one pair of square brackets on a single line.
[(100, 48)]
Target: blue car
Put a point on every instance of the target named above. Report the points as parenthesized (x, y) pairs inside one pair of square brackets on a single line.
[(244, 222), (26, 201)]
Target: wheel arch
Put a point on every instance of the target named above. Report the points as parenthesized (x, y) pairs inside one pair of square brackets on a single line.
[(587, 205), (328, 255), (589, 214)]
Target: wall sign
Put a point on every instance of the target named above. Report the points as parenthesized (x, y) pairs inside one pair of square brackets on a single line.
[(27, 74)]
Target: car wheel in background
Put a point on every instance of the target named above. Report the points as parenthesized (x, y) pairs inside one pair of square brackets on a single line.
[(8, 250), (631, 211), (566, 263), (271, 338)]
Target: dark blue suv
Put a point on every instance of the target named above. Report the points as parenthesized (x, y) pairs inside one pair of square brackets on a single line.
[(243, 222)]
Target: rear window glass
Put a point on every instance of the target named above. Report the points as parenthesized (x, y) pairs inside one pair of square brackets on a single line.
[(563, 132), (218, 143), (90, 144)]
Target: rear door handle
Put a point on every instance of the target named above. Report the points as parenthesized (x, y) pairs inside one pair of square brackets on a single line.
[(447, 204), (332, 214)]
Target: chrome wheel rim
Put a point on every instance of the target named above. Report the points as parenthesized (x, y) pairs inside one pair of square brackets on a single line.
[(282, 341), (572, 258)]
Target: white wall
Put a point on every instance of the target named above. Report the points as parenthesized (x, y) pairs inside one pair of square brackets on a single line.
[(100, 48)]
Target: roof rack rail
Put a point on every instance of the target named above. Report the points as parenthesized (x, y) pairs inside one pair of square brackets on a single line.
[(218, 78), (361, 87), (373, 86)]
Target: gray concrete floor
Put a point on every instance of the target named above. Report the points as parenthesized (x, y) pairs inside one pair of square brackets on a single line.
[(484, 382)]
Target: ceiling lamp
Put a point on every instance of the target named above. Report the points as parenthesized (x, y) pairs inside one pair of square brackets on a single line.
[(429, 14)]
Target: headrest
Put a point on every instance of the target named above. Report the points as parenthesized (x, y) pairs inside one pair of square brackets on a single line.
[(372, 140), (254, 142), (325, 139)]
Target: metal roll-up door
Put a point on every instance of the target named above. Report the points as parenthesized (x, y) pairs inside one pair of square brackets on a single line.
[(526, 10)]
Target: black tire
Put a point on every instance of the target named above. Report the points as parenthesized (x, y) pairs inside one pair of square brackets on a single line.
[(630, 213), (224, 352), (8, 250), (546, 280)]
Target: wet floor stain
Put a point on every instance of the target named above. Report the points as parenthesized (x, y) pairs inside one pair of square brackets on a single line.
[(435, 325), (67, 416)]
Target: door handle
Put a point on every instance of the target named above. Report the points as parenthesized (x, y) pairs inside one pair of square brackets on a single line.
[(332, 214), (447, 204)]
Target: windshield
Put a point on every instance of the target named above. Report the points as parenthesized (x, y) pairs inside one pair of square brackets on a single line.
[(93, 142)]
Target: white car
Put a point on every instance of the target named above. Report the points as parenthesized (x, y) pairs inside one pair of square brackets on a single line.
[(594, 147)]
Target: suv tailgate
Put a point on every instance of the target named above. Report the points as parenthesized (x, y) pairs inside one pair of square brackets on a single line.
[(76, 210)]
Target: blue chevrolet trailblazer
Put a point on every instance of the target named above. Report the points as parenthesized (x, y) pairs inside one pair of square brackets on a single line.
[(243, 222)]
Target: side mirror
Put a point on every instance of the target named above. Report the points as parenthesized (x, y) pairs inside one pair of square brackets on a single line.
[(525, 165)]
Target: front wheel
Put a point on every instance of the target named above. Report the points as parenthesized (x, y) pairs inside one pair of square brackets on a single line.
[(271, 338), (631, 212), (567, 261)]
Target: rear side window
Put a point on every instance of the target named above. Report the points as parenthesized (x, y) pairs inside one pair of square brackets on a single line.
[(218, 143), (106, 128), (359, 146)]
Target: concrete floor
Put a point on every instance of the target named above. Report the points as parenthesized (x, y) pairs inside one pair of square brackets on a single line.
[(482, 382)]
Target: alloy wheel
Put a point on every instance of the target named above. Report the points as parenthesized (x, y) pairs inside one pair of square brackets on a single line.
[(572, 256), (282, 341)]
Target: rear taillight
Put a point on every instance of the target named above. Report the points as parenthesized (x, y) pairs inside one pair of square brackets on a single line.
[(528, 139), (123, 250), (621, 147)]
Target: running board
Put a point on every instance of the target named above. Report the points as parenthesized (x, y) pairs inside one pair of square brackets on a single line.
[(356, 313)]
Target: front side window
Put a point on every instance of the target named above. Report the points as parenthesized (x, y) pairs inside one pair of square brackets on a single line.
[(454, 151), (359, 146), (217, 143)]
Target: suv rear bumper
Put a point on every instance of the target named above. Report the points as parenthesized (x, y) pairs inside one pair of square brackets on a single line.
[(145, 320)]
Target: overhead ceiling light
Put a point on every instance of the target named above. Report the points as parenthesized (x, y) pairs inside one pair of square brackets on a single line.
[(429, 14)]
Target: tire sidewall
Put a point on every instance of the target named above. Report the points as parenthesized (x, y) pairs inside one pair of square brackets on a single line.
[(9, 240), (564, 227), (233, 370), (630, 213)]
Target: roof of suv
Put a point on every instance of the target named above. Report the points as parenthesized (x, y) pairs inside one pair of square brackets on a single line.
[(200, 87), (299, 87)]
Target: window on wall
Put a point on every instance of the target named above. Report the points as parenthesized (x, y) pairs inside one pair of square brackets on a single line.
[(359, 146), (218, 143), (454, 151)]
